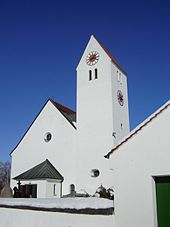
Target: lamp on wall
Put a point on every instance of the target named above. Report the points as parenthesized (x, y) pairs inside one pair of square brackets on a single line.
[(114, 134), (107, 156)]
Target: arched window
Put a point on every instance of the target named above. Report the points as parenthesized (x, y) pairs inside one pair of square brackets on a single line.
[(90, 75)]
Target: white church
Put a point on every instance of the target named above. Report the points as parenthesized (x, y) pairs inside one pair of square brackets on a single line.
[(93, 146)]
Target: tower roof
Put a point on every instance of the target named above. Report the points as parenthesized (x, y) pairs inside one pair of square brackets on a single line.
[(111, 57)]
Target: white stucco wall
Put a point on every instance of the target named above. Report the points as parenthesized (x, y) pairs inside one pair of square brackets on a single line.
[(33, 150), (45, 188), (52, 219), (98, 116), (50, 192), (120, 113), (134, 165)]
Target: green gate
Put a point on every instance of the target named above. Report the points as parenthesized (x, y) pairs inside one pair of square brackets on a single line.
[(163, 201)]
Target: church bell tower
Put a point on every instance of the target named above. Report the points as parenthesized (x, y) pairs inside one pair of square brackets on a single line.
[(102, 105), (102, 100)]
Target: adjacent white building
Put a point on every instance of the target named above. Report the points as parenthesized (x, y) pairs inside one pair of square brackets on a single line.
[(140, 166)]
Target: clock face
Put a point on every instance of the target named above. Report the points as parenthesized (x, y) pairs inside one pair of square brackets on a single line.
[(92, 58), (120, 97)]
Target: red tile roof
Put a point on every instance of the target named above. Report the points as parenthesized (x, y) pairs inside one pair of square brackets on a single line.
[(63, 108)]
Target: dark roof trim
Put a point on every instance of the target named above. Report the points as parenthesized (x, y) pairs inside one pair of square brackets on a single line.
[(36, 119), (139, 128), (63, 108), (29, 127), (65, 111), (111, 57)]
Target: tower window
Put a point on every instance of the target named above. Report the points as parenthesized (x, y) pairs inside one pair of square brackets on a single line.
[(90, 75), (121, 126), (96, 73), (119, 77)]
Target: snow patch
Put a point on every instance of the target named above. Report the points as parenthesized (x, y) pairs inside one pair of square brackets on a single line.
[(61, 203)]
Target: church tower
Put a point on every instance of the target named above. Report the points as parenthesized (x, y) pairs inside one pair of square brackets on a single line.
[(102, 102), (102, 107)]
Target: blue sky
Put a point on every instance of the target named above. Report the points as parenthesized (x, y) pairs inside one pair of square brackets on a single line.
[(41, 43)]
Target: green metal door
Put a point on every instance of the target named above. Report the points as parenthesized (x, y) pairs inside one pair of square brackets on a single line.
[(163, 201)]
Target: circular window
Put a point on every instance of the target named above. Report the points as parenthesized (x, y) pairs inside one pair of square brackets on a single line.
[(47, 137), (95, 173)]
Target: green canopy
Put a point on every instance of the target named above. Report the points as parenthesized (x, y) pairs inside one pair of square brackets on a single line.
[(44, 170)]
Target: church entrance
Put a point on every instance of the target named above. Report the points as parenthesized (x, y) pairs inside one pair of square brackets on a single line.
[(163, 201), (29, 191)]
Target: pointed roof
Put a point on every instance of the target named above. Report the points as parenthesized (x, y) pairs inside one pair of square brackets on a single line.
[(139, 127), (110, 56), (44, 170), (69, 114)]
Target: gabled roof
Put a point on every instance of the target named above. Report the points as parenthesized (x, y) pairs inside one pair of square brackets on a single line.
[(69, 114), (139, 128), (111, 57), (44, 170)]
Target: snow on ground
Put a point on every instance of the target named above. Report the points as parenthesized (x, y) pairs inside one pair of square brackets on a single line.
[(61, 203)]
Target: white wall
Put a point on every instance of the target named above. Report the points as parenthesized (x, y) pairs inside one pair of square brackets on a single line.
[(98, 116), (52, 219), (120, 113), (59, 151), (45, 188), (134, 165), (50, 189)]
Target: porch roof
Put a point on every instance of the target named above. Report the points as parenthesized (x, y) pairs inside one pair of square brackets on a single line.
[(44, 170)]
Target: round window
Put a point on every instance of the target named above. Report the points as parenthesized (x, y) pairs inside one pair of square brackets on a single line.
[(95, 173), (47, 137)]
